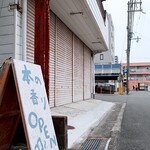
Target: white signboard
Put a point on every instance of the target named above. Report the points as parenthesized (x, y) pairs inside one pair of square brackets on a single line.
[(35, 109)]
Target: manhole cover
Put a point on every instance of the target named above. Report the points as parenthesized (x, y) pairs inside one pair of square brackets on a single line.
[(91, 144)]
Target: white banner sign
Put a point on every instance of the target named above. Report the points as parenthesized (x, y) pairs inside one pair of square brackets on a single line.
[(35, 108)]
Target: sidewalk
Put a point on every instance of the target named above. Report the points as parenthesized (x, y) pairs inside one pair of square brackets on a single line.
[(82, 115)]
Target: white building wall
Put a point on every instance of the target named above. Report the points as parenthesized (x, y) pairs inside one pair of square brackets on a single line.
[(6, 31), (108, 56), (10, 36), (103, 26), (111, 39)]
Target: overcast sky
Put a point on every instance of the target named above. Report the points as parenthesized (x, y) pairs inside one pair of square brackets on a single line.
[(140, 52)]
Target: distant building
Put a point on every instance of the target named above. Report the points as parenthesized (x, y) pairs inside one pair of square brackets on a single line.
[(139, 75), (107, 57), (106, 71), (106, 76), (116, 60)]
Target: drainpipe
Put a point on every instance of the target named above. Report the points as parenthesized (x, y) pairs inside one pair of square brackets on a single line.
[(15, 29), (93, 76), (24, 29)]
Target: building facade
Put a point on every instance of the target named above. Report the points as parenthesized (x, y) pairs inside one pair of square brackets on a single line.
[(116, 60), (78, 30), (107, 57), (107, 75), (139, 75)]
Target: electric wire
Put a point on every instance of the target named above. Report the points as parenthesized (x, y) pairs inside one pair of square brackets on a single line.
[(139, 30), (1, 7)]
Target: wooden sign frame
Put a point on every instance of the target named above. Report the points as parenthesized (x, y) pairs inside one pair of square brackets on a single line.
[(18, 99), (9, 107)]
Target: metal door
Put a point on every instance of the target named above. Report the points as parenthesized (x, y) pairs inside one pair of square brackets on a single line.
[(30, 30), (63, 89), (78, 69), (87, 73), (52, 58)]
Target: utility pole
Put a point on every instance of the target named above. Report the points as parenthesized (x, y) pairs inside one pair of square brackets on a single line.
[(133, 6)]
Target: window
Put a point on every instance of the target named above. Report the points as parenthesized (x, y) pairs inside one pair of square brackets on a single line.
[(101, 57)]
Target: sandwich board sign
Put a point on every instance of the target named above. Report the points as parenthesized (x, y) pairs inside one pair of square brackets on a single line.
[(34, 107)]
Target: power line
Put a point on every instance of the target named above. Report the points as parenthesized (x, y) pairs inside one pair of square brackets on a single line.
[(1, 7)]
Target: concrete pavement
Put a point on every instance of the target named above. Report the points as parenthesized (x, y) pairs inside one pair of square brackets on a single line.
[(82, 115)]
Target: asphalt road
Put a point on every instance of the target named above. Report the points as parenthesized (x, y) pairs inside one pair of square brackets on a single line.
[(135, 128)]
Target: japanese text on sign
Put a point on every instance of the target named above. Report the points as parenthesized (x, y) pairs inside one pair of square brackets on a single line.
[(35, 106)]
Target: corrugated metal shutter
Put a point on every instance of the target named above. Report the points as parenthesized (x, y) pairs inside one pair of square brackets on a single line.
[(63, 64), (87, 73), (52, 58), (78, 69), (30, 30)]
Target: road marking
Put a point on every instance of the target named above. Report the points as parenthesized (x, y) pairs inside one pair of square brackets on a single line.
[(107, 144), (117, 126)]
